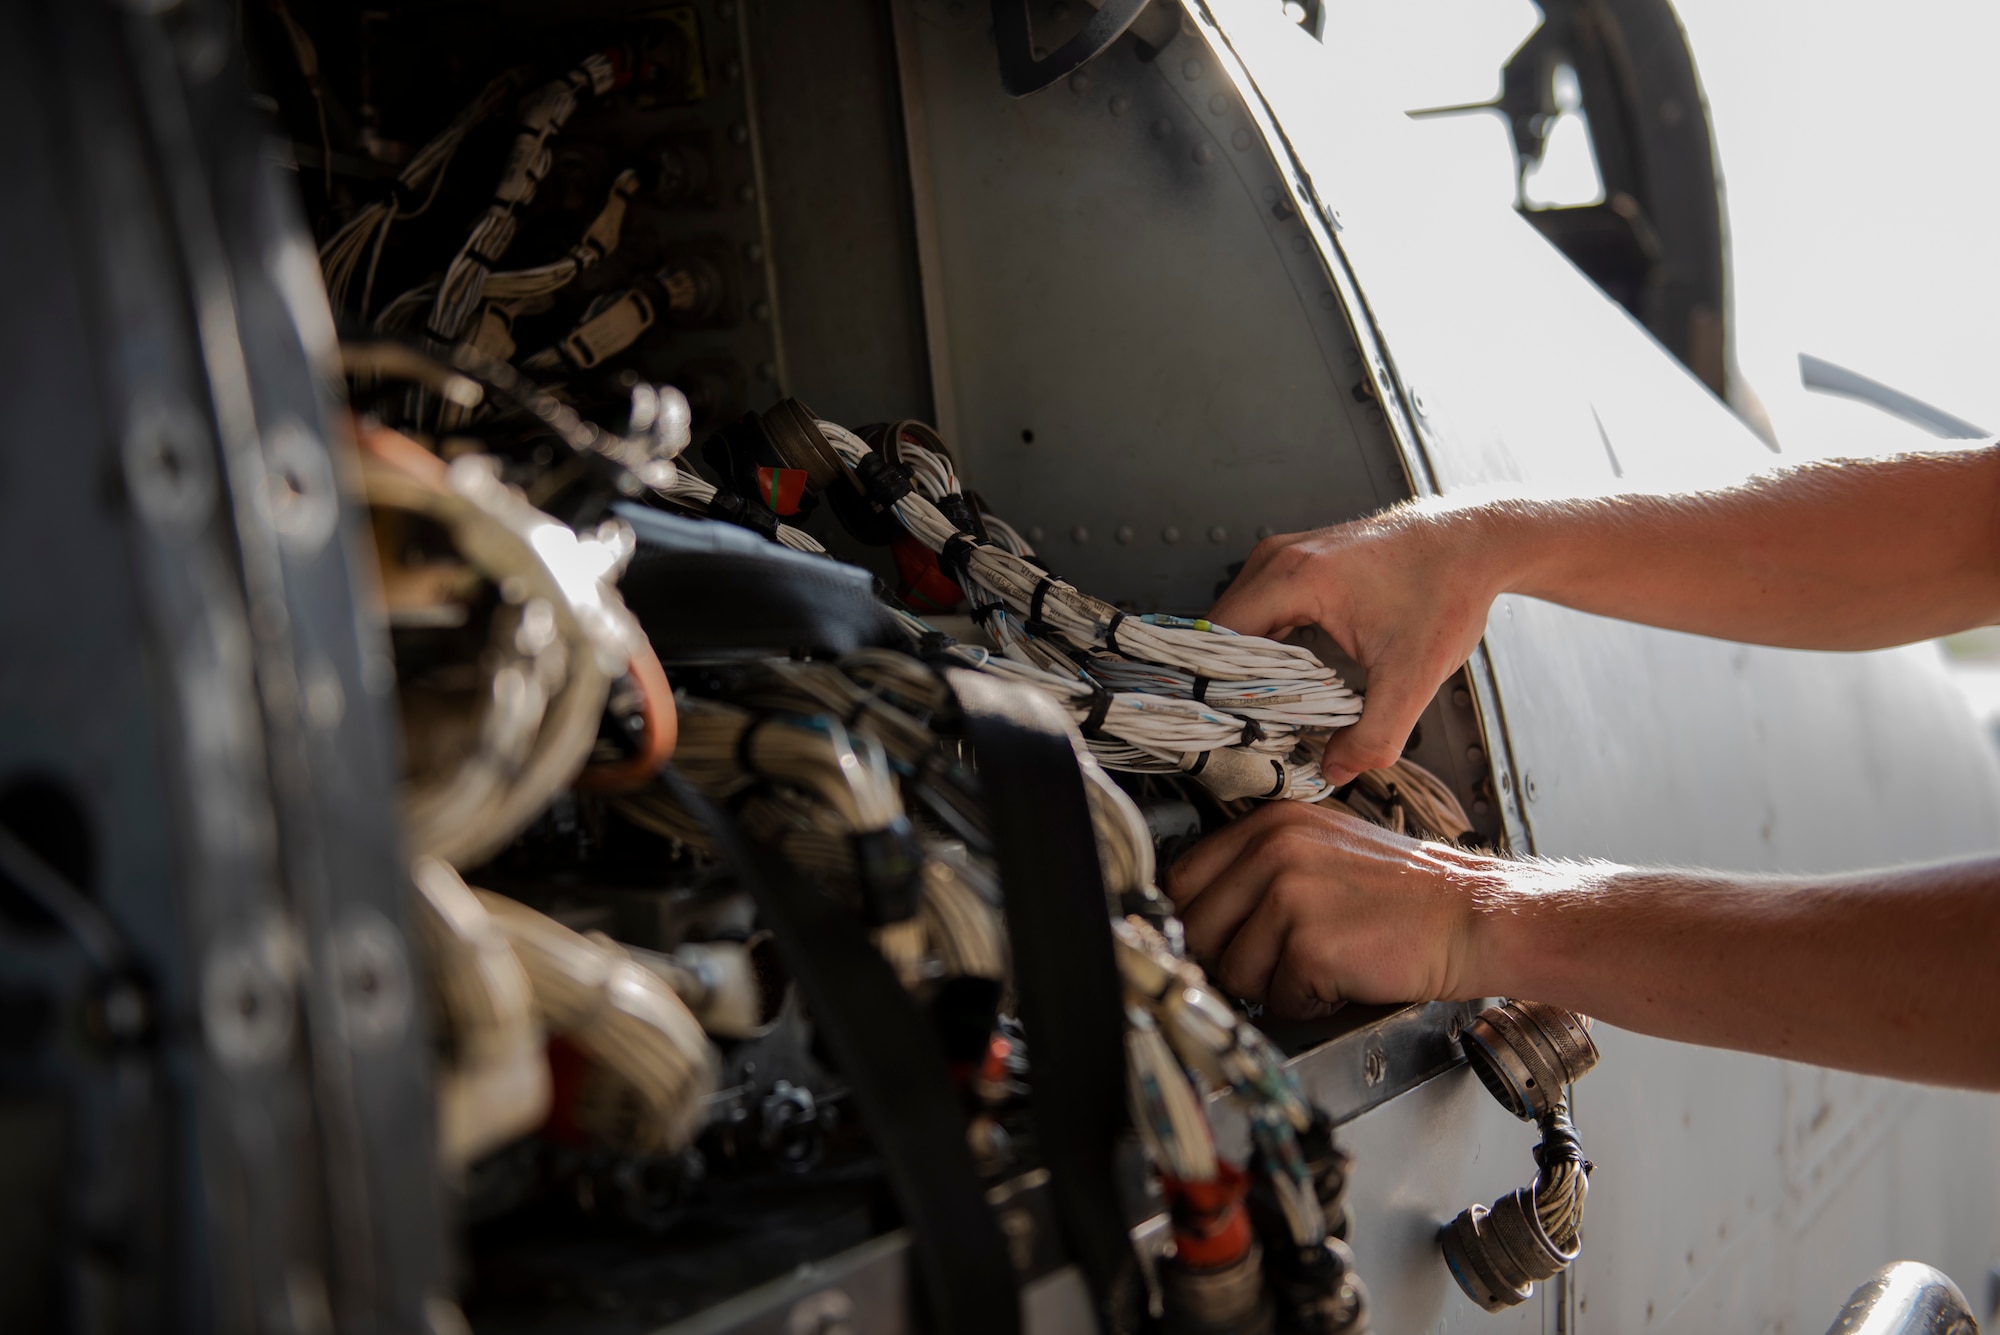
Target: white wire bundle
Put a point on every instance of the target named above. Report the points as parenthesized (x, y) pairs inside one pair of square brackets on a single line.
[(366, 232), (520, 291), (1172, 1123), (1171, 669), (1304, 704), (853, 792), (692, 492), (850, 775), (1230, 1053), (660, 1062), (559, 638), (543, 114), (493, 1084)]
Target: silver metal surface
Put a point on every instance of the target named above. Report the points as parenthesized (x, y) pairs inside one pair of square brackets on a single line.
[(1816, 373), (1732, 1193), (1137, 331), (1906, 1298)]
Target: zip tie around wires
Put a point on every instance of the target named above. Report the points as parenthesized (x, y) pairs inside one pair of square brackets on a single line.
[(1278, 772), (743, 740), (985, 612), (1093, 722), (1201, 685), (1253, 731), (956, 554), (1200, 762), (1034, 625), (1111, 634)]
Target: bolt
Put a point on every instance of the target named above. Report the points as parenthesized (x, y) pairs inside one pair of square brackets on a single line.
[(1242, 140), (1079, 82), (1417, 402), (1125, 535), (1204, 153), (1461, 697), (1264, 531), (1036, 533), (1528, 786), (1191, 71), (1219, 105), (1474, 755), (1079, 534), (1120, 104), (1374, 1066), (1170, 535), (1218, 535)]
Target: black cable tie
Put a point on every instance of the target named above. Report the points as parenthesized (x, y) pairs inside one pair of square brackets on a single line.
[(954, 507), (956, 554), (1111, 633), (1035, 624), (1200, 763), (1201, 685), (986, 612), (1278, 769), (1100, 705), (743, 740), (1253, 731), (931, 648), (743, 512), (882, 482)]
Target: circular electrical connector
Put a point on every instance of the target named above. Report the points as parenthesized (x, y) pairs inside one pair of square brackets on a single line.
[(1497, 1255), (1525, 1053)]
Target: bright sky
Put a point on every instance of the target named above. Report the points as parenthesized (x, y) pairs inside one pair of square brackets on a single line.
[(1860, 144)]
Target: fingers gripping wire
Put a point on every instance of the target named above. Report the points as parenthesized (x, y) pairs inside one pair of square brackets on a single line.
[(1153, 692)]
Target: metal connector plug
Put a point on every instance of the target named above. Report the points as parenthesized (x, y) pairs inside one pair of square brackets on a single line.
[(1526, 1053)]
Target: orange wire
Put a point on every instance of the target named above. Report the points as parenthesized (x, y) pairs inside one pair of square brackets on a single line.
[(656, 707)]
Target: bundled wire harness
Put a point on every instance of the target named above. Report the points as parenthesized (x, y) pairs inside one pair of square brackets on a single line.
[(1246, 716), (364, 235)]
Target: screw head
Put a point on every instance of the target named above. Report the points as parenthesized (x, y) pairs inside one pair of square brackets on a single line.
[(1218, 535), (1170, 535)]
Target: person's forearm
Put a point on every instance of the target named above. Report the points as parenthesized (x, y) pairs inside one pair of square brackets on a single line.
[(1855, 556), (1889, 972)]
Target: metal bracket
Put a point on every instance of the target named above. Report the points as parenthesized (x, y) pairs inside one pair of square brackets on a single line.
[(1021, 73)]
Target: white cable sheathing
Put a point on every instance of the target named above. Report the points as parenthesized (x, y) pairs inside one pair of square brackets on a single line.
[(624, 1016), (493, 1084), (543, 113), (1178, 689), (365, 234)]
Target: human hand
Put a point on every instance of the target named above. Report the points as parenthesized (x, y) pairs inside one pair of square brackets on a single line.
[(1406, 594), (1301, 907)]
